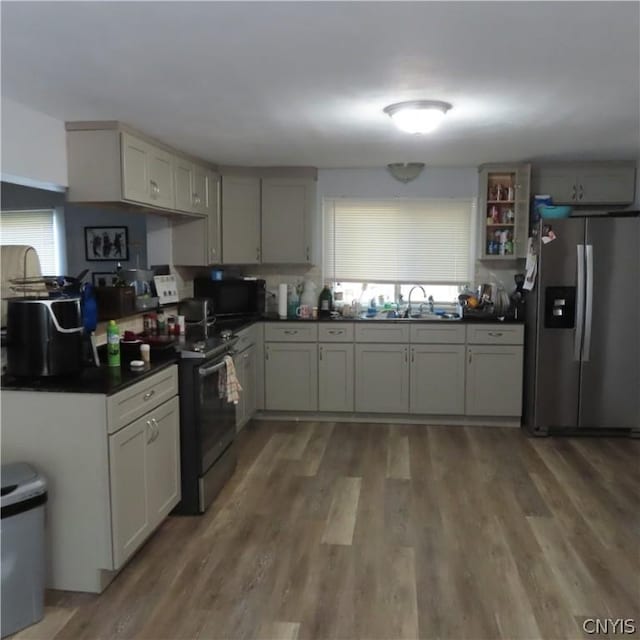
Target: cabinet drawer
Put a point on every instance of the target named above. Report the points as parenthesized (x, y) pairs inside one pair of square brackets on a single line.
[(291, 332), (339, 332), (135, 401), (374, 331), (495, 334), (437, 333)]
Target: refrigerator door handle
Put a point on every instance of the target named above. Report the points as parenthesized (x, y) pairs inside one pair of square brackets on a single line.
[(577, 340), (588, 305)]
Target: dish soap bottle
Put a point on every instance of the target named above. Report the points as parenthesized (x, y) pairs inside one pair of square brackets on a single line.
[(325, 302), (113, 344)]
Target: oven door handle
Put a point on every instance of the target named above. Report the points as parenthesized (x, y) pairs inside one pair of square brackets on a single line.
[(205, 372)]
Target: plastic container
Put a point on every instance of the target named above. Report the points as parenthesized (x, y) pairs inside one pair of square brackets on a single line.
[(24, 495), (550, 211), (113, 344)]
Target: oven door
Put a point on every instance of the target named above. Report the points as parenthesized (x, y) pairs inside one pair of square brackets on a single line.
[(216, 418)]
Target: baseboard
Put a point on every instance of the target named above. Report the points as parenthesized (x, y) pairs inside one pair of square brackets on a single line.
[(377, 418)]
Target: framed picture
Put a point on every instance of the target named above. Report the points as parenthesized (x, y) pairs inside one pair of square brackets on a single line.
[(103, 278), (106, 243)]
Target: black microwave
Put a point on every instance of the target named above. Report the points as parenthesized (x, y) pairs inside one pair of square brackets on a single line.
[(232, 297)]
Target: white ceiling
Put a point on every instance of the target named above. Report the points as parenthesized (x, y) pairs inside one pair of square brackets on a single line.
[(268, 83)]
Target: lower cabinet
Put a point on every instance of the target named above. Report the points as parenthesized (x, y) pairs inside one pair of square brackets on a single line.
[(144, 466), (335, 376), (437, 379), (291, 376), (494, 380), (382, 378), (246, 370)]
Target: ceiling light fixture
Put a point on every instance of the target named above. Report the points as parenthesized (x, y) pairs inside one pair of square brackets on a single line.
[(417, 116), (405, 171)]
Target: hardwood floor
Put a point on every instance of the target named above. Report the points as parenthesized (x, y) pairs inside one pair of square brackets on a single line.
[(368, 531)]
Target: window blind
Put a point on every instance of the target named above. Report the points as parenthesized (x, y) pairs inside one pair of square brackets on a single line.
[(408, 241), (34, 228)]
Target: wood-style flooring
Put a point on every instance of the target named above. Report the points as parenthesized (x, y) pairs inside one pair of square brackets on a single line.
[(373, 531)]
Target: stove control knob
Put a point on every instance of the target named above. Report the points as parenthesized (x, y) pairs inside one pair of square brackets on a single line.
[(226, 334)]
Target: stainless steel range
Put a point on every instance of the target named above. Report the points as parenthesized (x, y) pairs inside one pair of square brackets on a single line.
[(207, 422)]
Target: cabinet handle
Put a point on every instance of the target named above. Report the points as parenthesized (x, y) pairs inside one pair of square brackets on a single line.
[(258, 253), (320, 350), (413, 355), (266, 353), (157, 429), (406, 355), (196, 198), (245, 356), (495, 334), (336, 332), (470, 356), (308, 254), (581, 193), (155, 189), (574, 191), (150, 436), (290, 332), (146, 396)]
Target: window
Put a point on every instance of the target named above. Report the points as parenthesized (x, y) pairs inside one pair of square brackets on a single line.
[(41, 229), (399, 243)]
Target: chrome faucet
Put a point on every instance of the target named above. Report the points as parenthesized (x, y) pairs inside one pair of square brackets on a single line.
[(407, 313)]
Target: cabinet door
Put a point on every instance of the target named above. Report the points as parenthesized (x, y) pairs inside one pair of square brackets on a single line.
[(287, 207), (521, 207), (606, 185), (240, 220), (494, 381), (212, 211), (382, 378), (130, 515), (246, 367), (200, 191), (291, 376), (161, 178), (183, 179), (335, 376), (437, 379), (559, 183), (135, 169), (163, 461), (196, 242)]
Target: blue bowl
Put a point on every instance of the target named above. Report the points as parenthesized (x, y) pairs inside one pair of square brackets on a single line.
[(549, 211)]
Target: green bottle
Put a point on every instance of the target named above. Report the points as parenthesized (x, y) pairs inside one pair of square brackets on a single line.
[(113, 344), (325, 302)]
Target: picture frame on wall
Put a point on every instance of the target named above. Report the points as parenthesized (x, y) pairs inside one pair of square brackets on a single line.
[(106, 243)]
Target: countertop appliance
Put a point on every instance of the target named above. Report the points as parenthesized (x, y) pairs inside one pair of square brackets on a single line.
[(207, 422), (198, 313), (583, 328), (44, 336), (233, 297)]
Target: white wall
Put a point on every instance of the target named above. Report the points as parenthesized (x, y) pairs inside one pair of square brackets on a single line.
[(34, 150)]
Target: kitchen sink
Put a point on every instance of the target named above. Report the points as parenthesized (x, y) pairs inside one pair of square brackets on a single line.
[(425, 317)]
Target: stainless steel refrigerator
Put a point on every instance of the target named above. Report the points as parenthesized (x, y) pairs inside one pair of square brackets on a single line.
[(582, 371)]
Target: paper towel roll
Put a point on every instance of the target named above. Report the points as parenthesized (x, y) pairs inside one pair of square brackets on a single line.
[(282, 301)]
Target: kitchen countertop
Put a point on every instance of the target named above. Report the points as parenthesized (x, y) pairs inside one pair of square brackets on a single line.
[(467, 320), (99, 380)]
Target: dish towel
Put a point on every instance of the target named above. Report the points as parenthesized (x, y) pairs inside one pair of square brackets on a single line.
[(228, 385)]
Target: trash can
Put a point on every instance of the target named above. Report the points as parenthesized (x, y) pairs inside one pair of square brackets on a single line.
[(24, 494)]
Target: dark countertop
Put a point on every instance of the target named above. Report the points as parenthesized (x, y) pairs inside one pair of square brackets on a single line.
[(465, 320), (100, 380)]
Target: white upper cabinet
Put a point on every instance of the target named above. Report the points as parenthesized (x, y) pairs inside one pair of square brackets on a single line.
[(240, 197), (110, 163), (183, 183), (287, 209), (587, 184)]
